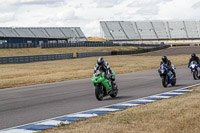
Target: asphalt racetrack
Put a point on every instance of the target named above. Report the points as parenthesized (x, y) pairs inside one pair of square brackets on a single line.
[(23, 105)]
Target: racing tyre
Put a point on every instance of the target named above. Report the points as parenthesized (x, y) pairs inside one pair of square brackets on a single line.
[(173, 82), (99, 93), (164, 81), (195, 75), (114, 94)]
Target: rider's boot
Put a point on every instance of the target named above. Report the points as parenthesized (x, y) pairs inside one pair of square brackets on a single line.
[(174, 74), (114, 85)]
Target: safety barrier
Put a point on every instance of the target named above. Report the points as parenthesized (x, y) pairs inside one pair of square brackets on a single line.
[(34, 58), (18, 45), (77, 44), (180, 45), (95, 44), (90, 54)]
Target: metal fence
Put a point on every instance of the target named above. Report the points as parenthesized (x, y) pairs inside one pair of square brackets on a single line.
[(179, 45), (17, 45), (90, 54), (95, 44), (50, 57), (34, 58), (77, 44)]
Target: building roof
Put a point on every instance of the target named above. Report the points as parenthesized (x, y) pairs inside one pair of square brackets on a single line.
[(43, 32)]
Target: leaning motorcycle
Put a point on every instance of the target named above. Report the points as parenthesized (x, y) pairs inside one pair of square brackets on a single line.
[(194, 70), (166, 75), (103, 85)]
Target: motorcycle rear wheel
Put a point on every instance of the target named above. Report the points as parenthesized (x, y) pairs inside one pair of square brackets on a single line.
[(114, 94), (99, 92)]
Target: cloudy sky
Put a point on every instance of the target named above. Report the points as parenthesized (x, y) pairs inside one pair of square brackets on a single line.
[(87, 13)]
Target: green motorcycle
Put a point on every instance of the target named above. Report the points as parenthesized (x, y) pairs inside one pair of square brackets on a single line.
[(103, 85)]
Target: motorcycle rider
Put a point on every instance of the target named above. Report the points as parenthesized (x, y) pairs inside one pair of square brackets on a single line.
[(168, 63), (105, 67), (194, 58)]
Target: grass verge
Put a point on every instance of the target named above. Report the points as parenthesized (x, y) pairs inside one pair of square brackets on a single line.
[(44, 72), (39, 51), (96, 39), (175, 115)]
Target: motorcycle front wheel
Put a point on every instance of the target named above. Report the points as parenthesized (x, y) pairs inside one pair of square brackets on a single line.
[(164, 81), (173, 82), (195, 75), (99, 93)]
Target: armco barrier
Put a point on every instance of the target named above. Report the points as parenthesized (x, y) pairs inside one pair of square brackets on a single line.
[(90, 54), (34, 58), (179, 45)]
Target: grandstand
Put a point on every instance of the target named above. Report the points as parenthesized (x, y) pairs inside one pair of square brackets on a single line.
[(150, 30), (39, 35)]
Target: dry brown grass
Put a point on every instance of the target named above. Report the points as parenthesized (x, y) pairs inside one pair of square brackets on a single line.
[(44, 72), (96, 39), (39, 51), (180, 114)]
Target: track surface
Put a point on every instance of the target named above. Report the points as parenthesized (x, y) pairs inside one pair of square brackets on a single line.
[(176, 51), (22, 105)]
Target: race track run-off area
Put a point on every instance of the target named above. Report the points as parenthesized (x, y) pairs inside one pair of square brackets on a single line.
[(28, 104)]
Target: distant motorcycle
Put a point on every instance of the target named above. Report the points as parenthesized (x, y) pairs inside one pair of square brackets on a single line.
[(166, 75), (103, 85), (194, 69)]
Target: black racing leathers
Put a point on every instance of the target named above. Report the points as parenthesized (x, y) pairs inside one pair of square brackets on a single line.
[(196, 59)]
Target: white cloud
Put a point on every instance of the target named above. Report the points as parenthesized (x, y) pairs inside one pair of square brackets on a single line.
[(106, 3), (31, 2), (196, 5), (67, 15), (179, 10), (87, 13), (6, 17)]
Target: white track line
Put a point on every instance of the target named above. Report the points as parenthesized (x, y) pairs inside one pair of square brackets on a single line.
[(145, 100), (127, 104), (104, 109), (156, 96), (82, 115), (52, 122)]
